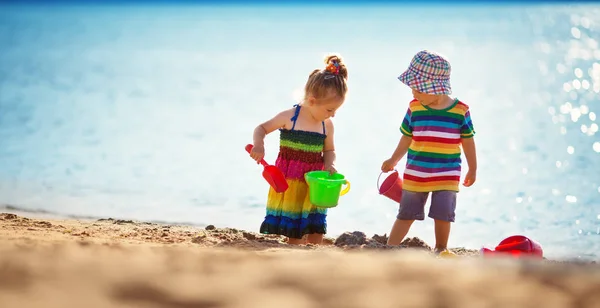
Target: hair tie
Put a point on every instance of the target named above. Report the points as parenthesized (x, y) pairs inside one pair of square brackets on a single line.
[(333, 67)]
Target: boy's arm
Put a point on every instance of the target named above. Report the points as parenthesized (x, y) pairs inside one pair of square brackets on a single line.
[(468, 145), (403, 145), (401, 149), (406, 129), (467, 133)]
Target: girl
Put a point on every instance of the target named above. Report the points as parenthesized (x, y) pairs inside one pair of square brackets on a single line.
[(306, 144)]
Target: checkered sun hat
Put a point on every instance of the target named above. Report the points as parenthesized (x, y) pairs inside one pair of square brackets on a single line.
[(428, 73)]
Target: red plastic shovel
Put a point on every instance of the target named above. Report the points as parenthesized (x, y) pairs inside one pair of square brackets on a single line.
[(272, 174)]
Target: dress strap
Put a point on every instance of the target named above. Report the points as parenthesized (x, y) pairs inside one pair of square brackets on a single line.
[(295, 117)]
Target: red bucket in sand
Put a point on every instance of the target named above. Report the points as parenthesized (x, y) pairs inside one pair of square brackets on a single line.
[(517, 246), (391, 186)]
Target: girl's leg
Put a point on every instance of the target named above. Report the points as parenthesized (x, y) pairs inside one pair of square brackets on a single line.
[(296, 241), (315, 238), (399, 231)]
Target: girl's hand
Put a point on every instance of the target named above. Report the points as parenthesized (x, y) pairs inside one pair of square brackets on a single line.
[(257, 153), (470, 178), (331, 169), (389, 165)]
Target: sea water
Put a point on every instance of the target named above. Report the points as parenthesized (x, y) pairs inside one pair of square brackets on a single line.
[(143, 111)]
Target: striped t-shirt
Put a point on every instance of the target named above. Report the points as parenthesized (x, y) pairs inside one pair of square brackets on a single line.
[(433, 159)]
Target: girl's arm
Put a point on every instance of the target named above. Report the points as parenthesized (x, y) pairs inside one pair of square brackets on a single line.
[(263, 129), (329, 148)]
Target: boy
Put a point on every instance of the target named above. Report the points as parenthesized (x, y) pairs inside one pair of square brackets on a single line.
[(433, 129)]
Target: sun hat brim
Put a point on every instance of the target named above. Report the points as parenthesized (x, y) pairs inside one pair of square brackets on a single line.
[(425, 85)]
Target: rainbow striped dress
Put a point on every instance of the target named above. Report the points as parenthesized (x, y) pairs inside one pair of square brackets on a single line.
[(291, 213), (433, 162)]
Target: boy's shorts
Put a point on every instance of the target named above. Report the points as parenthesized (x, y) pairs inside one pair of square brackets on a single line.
[(412, 205)]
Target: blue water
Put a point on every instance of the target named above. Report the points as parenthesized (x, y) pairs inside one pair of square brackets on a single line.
[(143, 111)]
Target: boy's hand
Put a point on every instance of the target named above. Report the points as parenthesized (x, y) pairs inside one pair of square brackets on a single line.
[(331, 169), (389, 165), (257, 153), (470, 178)]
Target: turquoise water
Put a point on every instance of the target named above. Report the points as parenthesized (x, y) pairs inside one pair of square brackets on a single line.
[(143, 111)]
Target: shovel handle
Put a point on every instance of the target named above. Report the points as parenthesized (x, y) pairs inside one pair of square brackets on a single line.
[(249, 148)]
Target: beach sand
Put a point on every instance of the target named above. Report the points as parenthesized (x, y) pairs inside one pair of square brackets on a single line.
[(118, 263)]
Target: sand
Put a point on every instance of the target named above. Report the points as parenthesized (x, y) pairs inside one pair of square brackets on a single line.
[(117, 263)]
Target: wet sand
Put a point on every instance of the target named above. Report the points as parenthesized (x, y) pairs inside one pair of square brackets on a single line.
[(118, 263)]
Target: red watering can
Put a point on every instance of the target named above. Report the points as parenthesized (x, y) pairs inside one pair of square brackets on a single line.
[(272, 174)]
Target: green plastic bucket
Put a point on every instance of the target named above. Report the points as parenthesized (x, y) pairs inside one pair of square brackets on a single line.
[(325, 189)]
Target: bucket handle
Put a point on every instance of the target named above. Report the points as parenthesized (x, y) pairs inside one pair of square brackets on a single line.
[(379, 177), (343, 192)]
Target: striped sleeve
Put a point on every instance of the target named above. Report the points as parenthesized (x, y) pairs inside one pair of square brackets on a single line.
[(467, 130), (406, 127)]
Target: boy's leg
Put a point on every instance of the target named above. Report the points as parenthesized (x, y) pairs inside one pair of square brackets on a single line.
[(412, 207), (442, 233), (399, 231), (442, 210)]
